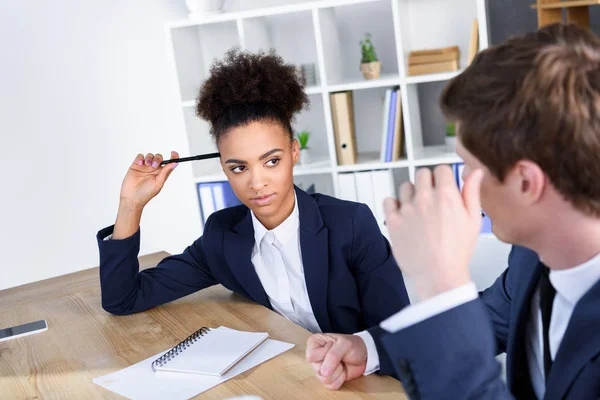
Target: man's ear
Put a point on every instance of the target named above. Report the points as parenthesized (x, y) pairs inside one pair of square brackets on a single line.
[(529, 180)]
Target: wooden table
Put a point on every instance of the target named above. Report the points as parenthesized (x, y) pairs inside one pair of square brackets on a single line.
[(83, 342)]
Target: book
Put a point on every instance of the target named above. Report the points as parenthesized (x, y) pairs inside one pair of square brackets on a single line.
[(209, 351), (430, 61), (390, 128), (431, 58), (384, 118), (138, 381), (397, 144), (443, 50), (433, 68)]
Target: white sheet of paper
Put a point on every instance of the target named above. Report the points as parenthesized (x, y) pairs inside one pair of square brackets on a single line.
[(139, 382)]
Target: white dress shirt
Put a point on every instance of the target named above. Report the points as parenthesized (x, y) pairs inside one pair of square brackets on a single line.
[(570, 284), (277, 259)]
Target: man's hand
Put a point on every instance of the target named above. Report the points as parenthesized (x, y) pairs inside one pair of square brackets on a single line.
[(336, 358), (434, 228)]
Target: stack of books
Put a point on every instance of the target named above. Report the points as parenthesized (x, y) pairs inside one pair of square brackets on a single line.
[(433, 61)]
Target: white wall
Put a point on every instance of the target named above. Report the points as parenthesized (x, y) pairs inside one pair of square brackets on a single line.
[(85, 86)]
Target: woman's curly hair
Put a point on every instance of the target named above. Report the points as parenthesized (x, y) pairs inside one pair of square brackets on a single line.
[(244, 87)]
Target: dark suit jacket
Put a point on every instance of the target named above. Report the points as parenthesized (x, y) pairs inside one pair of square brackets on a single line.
[(351, 275), (451, 355)]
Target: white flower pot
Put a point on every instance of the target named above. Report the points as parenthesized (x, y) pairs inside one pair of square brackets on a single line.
[(451, 143), (304, 157), (204, 7)]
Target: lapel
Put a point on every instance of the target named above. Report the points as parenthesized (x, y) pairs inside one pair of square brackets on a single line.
[(580, 343), (519, 379), (314, 245), (238, 244)]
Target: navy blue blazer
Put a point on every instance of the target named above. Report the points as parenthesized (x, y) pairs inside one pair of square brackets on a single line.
[(352, 278), (451, 355)]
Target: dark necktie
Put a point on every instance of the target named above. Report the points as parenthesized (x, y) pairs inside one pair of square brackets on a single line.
[(547, 293)]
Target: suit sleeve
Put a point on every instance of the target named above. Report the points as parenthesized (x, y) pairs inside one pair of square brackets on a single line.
[(381, 285), (126, 290), (448, 356), (497, 300)]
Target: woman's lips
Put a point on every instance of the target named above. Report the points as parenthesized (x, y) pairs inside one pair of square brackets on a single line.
[(263, 200)]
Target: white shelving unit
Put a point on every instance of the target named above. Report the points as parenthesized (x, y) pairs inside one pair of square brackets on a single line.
[(327, 33)]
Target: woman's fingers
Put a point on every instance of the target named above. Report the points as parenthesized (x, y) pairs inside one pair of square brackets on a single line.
[(153, 160), (139, 160), (157, 160), (149, 159)]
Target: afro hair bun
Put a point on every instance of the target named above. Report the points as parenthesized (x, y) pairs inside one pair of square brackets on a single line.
[(245, 79)]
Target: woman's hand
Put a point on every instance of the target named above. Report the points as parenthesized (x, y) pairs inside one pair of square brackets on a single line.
[(145, 179)]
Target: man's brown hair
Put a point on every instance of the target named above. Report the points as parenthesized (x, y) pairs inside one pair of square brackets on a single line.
[(536, 96)]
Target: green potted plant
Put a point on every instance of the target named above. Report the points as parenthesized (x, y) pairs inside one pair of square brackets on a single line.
[(370, 65), (451, 136), (303, 141)]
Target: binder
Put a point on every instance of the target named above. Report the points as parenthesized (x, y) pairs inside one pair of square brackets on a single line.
[(343, 126), (383, 187), (364, 185), (207, 202), (347, 187), (457, 169), (215, 196)]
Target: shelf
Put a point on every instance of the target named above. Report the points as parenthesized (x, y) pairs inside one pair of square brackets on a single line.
[(566, 4), (370, 160), (261, 12), (444, 76), (319, 166), (372, 166), (434, 155), (313, 90), (194, 56), (341, 31), (382, 81)]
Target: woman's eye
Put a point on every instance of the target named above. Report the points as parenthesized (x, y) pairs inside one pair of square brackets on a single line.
[(238, 169), (272, 162)]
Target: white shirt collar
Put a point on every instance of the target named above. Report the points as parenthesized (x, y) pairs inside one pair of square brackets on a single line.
[(574, 283), (284, 231)]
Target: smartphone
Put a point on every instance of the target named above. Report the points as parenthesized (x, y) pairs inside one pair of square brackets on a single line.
[(23, 330)]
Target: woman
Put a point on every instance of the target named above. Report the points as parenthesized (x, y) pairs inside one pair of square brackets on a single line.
[(319, 261)]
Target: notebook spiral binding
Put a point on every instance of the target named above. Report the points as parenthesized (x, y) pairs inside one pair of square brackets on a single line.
[(168, 356)]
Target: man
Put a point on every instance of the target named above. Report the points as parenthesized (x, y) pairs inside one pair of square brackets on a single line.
[(528, 116)]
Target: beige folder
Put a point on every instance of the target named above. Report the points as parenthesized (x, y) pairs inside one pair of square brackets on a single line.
[(343, 127)]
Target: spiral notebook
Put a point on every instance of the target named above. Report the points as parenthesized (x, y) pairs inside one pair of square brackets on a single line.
[(209, 351), (140, 381)]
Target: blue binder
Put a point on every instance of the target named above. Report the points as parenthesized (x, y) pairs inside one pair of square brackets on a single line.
[(215, 196), (457, 168)]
